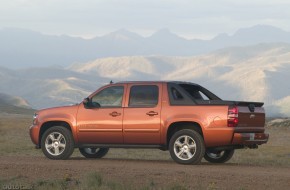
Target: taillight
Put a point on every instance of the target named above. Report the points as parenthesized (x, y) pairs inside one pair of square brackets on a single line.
[(233, 116)]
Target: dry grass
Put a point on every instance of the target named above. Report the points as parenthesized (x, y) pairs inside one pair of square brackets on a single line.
[(14, 131), (90, 181), (275, 153)]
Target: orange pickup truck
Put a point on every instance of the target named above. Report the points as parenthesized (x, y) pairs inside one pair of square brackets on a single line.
[(184, 118)]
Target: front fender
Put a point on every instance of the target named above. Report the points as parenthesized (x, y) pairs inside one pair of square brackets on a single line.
[(61, 114)]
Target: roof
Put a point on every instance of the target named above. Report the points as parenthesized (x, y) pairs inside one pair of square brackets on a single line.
[(176, 82)]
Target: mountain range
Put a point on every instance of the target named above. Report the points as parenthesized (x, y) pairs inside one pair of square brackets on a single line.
[(21, 48), (251, 65), (247, 73)]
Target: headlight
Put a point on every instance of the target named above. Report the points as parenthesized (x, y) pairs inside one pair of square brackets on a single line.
[(34, 121)]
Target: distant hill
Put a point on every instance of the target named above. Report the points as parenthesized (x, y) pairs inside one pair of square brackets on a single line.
[(256, 73), (47, 87), (14, 105), (249, 73), (24, 48)]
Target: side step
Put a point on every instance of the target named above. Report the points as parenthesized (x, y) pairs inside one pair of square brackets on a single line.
[(119, 146)]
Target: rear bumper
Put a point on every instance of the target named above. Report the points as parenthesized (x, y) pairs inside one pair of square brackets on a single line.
[(250, 138)]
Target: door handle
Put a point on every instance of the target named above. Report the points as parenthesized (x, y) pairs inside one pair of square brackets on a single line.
[(114, 114), (152, 113)]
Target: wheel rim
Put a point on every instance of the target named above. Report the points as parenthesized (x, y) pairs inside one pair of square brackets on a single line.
[(184, 147), (215, 155), (91, 150), (55, 143)]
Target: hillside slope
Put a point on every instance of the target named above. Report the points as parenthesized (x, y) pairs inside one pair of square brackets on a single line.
[(14, 105), (256, 73), (252, 73)]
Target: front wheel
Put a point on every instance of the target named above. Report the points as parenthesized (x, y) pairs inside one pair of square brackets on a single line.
[(187, 147), (57, 143), (219, 156), (93, 152)]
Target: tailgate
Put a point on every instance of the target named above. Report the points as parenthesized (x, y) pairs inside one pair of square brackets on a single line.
[(251, 117)]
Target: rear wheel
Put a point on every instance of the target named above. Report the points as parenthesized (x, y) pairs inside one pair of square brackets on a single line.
[(219, 156), (94, 152), (187, 147), (57, 143)]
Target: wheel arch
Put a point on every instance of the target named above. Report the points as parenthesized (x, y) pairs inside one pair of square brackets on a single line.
[(50, 124), (179, 125)]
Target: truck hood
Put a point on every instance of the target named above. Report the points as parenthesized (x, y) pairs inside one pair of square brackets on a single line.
[(57, 109), (64, 113)]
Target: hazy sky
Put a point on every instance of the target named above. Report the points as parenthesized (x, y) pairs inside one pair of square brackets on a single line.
[(188, 18)]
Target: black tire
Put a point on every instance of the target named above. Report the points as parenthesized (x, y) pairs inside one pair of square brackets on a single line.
[(187, 147), (220, 156), (62, 147), (94, 152)]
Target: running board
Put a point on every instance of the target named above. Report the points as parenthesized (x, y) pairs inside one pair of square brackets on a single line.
[(119, 146)]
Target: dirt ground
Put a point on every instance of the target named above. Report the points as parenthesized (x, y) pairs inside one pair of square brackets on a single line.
[(142, 172)]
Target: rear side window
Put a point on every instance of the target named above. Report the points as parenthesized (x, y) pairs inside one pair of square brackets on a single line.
[(176, 94), (143, 96), (196, 92)]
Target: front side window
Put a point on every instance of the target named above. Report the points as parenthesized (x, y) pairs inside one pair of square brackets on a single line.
[(143, 96), (110, 97)]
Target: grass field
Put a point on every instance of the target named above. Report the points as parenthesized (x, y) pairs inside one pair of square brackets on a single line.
[(15, 141)]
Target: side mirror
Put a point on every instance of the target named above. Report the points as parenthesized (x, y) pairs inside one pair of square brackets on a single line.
[(96, 105), (89, 104)]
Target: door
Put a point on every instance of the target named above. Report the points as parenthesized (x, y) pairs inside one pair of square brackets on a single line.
[(102, 123), (141, 121)]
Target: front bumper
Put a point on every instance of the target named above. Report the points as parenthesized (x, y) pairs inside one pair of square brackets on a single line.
[(250, 138), (34, 134)]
